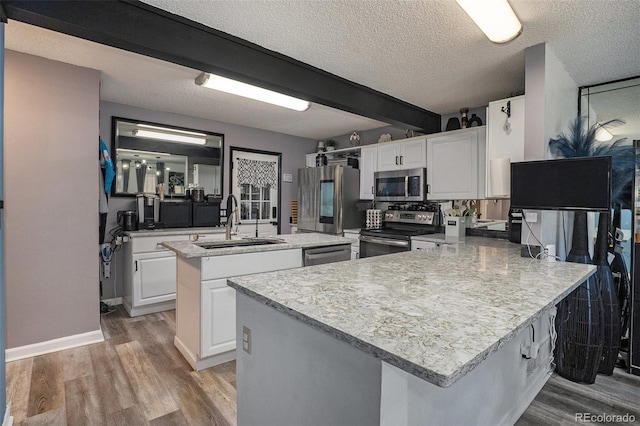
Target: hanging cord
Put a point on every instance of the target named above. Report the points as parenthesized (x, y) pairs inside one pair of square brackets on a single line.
[(553, 335), (543, 251), (114, 233)]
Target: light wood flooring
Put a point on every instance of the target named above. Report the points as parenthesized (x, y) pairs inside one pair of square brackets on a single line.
[(137, 377)]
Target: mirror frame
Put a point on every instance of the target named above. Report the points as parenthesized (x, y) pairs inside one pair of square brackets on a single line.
[(150, 145)]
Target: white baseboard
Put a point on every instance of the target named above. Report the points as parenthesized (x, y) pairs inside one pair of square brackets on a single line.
[(8, 418), (54, 345), (113, 302)]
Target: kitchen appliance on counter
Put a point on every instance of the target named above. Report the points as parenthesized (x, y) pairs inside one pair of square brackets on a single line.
[(401, 222), (127, 220), (401, 185), (515, 225), (175, 214), (148, 211), (207, 213), (327, 199)]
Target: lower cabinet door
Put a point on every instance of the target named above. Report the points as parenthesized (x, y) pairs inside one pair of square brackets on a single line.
[(218, 317), (154, 278)]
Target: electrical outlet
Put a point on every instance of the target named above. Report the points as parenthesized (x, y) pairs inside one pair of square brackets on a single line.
[(531, 217), (246, 339), (287, 177)]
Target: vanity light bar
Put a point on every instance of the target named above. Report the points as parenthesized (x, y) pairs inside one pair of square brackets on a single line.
[(234, 87), (169, 137), (168, 130), (495, 18)]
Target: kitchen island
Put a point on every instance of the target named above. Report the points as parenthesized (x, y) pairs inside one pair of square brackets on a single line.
[(206, 306), (422, 337)]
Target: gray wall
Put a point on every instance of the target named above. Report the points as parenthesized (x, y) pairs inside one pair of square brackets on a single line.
[(3, 321), (51, 199), (293, 151)]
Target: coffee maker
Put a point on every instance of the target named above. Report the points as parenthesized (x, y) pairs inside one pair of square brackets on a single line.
[(148, 209)]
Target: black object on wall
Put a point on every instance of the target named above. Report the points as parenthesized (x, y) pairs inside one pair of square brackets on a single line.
[(138, 27), (579, 319)]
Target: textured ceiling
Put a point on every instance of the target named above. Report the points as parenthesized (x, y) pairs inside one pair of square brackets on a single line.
[(428, 53)]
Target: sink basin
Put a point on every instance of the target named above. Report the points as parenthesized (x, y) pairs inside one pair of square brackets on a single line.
[(238, 243)]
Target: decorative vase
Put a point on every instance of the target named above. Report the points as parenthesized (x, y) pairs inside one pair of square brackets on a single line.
[(579, 319), (611, 311)]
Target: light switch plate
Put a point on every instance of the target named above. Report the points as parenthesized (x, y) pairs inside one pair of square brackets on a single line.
[(287, 177), (531, 217)]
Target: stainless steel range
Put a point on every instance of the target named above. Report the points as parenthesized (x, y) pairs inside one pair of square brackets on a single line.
[(400, 223)]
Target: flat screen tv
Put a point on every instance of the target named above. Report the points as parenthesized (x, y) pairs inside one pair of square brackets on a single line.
[(568, 184)]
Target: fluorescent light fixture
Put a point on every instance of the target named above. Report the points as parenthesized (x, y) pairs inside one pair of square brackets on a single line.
[(169, 137), (495, 18), (234, 87), (168, 130), (602, 134)]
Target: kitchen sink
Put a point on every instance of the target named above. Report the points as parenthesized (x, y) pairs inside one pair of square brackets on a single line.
[(239, 243)]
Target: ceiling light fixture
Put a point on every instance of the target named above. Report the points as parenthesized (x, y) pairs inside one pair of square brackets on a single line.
[(169, 137), (495, 18), (168, 130), (602, 134), (234, 87)]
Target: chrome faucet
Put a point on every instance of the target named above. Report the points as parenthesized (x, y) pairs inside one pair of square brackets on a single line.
[(231, 210)]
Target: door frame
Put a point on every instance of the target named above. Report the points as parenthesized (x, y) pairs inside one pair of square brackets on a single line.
[(232, 149)]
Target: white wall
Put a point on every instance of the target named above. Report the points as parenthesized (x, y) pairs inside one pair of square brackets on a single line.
[(551, 103), (293, 151), (51, 199)]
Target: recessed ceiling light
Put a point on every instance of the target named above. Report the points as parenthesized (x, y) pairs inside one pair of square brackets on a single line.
[(234, 87), (495, 18)]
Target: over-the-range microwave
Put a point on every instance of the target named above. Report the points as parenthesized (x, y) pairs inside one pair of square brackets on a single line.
[(401, 185)]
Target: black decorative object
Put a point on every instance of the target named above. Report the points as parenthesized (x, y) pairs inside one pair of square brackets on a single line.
[(474, 121), (610, 304), (464, 121), (579, 320), (453, 124)]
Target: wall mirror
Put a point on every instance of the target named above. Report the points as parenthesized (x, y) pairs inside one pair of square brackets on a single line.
[(152, 157)]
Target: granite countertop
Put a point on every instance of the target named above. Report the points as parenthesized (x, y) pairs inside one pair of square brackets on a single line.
[(174, 231), (286, 241), (435, 313)]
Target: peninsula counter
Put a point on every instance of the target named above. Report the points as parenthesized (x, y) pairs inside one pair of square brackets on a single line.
[(423, 337)]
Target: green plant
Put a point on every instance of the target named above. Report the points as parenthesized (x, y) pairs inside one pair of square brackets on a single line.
[(330, 142)]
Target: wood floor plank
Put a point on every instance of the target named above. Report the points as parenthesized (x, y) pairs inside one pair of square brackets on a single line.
[(113, 382), (46, 392), (55, 417), (221, 393), (193, 400), (173, 419), (83, 402), (76, 362), (156, 340), (18, 384), (153, 397), (127, 417)]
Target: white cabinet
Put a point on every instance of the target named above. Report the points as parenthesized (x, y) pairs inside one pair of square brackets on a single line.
[(456, 165), (218, 307), (368, 166), (311, 160), (206, 306), (505, 143), (150, 270), (407, 154)]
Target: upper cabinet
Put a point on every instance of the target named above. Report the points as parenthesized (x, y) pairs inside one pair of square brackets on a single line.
[(368, 166), (455, 165), (408, 154), (505, 143)]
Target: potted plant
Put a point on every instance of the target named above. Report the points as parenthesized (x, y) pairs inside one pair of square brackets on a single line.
[(330, 144)]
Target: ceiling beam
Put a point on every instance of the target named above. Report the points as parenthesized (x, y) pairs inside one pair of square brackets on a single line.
[(147, 30)]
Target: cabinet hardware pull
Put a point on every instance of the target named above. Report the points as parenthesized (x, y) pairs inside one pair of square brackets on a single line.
[(428, 189), (397, 160), (136, 263), (372, 190), (401, 159)]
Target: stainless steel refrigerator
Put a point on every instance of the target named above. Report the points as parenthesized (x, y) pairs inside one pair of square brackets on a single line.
[(327, 199)]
